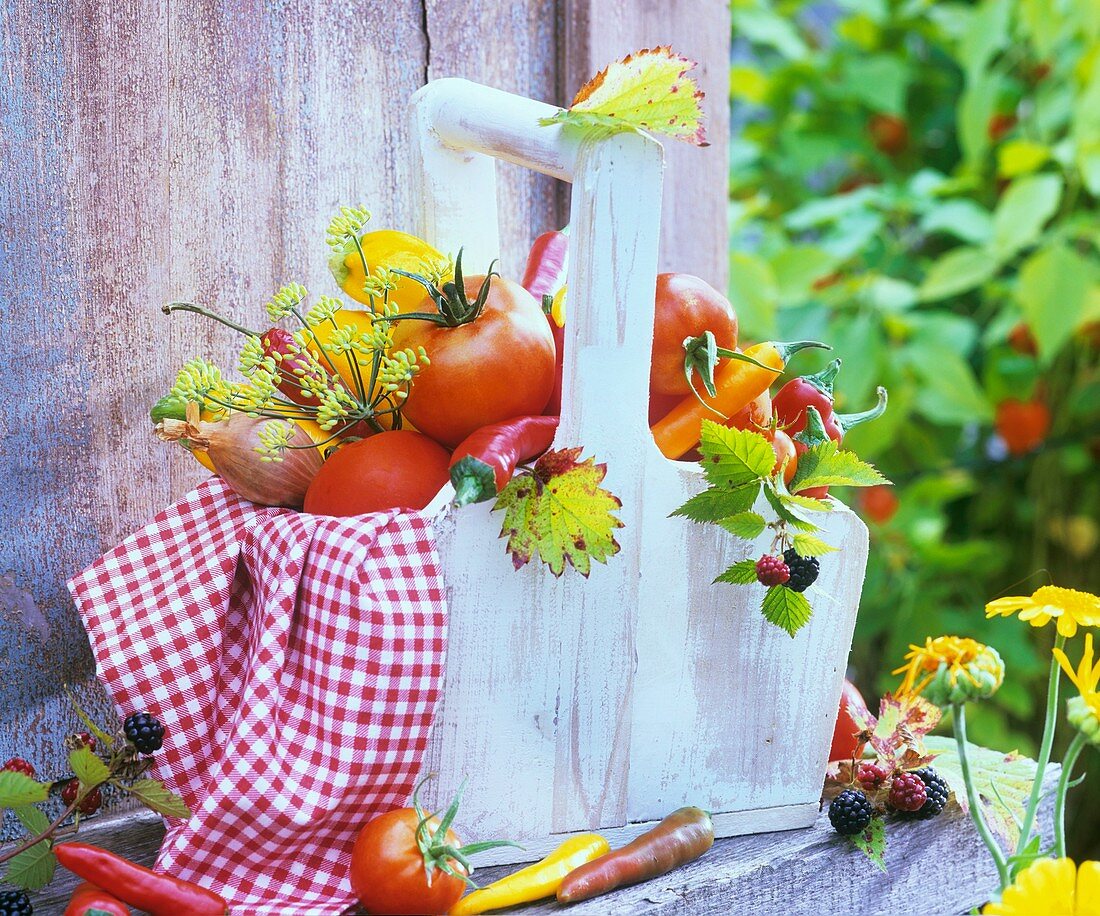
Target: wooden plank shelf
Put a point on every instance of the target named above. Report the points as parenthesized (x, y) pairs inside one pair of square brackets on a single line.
[(937, 867)]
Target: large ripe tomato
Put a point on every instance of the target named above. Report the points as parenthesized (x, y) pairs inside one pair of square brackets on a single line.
[(494, 367), (387, 868), (685, 307), (846, 743), (400, 469), (386, 248)]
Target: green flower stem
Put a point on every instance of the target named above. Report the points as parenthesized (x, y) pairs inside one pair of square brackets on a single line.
[(1044, 749), (976, 815), (1068, 762)]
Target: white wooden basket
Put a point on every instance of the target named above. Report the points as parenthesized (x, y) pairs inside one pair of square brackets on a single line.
[(604, 703)]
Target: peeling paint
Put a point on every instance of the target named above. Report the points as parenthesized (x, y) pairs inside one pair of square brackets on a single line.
[(18, 604)]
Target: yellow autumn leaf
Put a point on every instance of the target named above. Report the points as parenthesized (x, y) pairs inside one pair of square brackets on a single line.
[(1021, 157), (647, 90), (748, 84)]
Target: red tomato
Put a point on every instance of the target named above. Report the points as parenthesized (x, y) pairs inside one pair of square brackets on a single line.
[(879, 503), (889, 133), (1022, 340), (1022, 424), (783, 446), (685, 307), (387, 868), (845, 736), (1000, 124), (400, 469), (498, 366)]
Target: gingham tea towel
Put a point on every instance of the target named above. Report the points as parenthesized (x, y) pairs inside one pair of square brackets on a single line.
[(295, 660)]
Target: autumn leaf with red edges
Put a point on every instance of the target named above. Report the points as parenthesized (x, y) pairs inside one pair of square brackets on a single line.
[(559, 512), (648, 90)]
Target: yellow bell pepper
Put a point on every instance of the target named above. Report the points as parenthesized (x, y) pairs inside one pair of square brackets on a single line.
[(535, 881), (385, 248)]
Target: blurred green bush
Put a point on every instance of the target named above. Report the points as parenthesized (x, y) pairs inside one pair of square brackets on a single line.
[(917, 182)]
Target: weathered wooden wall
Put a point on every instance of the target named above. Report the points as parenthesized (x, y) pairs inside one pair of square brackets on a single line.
[(153, 151)]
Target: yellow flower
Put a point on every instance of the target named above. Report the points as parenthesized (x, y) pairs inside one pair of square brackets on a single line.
[(1051, 887), (951, 669), (1071, 608), (1084, 711)]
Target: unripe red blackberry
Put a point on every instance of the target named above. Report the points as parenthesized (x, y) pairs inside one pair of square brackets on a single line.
[(907, 792), (90, 803), (872, 775), (19, 765), (771, 571)]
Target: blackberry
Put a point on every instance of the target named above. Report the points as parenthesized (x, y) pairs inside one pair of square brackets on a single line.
[(19, 765), (937, 791), (850, 812), (144, 732), (907, 792), (84, 739), (871, 775), (15, 903), (804, 570), (771, 571), (91, 802)]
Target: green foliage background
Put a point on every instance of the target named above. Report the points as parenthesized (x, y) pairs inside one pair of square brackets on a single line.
[(916, 182)]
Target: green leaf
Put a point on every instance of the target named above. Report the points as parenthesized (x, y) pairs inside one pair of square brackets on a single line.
[(871, 841), (806, 502), (19, 789), (718, 502), (1000, 780), (764, 27), (949, 392), (33, 819), (560, 513), (648, 90), (961, 218), (878, 81), (153, 794), (795, 269), (986, 35), (746, 525), (742, 573), (977, 104), (959, 270), (90, 770), (33, 868), (734, 457), (806, 545), (104, 739), (1023, 211), (753, 293), (826, 465), (787, 609), (786, 512), (1053, 291)]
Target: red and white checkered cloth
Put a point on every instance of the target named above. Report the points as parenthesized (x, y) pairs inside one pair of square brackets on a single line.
[(295, 660)]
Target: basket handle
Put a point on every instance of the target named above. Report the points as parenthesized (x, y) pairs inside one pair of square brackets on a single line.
[(459, 128)]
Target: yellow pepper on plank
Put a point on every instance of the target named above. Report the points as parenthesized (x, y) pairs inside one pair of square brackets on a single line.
[(536, 881), (386, 248)]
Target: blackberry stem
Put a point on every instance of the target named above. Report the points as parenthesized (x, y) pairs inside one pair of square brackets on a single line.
[(976, 815)]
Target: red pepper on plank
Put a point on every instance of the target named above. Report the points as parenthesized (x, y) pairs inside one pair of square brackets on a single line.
[(157, 894), (483, 464), (681, 837), (544, 278), (90, 900)]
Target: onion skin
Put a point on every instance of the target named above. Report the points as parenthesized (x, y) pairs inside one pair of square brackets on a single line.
[(231, 446)]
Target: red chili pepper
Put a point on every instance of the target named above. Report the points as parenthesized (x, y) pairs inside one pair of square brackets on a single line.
[(543, 279), (90, 900), (680, 838), (159, 895), (483, 464), (790, 404)]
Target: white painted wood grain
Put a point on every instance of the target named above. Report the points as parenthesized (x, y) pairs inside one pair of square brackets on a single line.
[(607, 702)]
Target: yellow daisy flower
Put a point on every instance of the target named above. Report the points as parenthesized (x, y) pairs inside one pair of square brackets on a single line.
[(1084, 711), (1071, 608), (951, 669), (1051, 887)]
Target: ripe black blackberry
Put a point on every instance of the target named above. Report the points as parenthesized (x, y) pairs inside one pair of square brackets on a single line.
[(850, 812), (144, 732), (937, 791), (804, 570), (15, 903)]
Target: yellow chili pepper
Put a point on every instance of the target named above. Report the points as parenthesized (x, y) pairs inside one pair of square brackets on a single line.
[(535, 881)]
